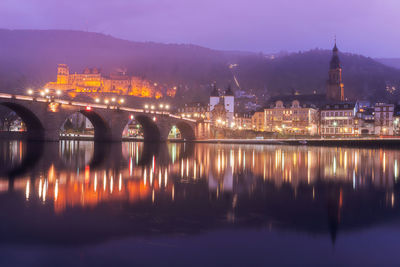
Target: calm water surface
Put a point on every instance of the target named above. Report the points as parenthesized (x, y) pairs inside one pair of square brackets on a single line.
[(81, 203)]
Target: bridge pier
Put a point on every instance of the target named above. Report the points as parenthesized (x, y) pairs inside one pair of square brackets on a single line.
[(164, 127), (52, 125)]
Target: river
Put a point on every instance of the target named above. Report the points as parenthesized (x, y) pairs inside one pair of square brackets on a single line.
[(78, 203)]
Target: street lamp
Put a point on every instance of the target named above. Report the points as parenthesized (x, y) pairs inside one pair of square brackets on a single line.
[(58, 92), (30, 91)]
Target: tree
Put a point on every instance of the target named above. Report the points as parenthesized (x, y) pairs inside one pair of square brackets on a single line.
[(68, 127)]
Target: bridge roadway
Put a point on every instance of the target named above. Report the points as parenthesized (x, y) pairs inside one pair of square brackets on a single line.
[(44, 118)]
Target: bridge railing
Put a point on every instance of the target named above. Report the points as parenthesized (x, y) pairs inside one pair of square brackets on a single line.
[(94, 105)]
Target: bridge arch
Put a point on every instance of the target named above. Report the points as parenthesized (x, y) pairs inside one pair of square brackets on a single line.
[(102, 130), (34, 127), (186, 130), (150, 128)]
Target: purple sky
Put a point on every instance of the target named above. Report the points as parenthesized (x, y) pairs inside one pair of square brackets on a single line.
[(368, 27)]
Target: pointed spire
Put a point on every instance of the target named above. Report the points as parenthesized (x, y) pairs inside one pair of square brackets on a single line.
[(335, 62), (214, 90), (229, 91), (335, 49)]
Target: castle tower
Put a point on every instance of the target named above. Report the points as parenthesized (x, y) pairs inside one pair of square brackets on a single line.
[(214, 97), (229, 103), (62, 74), (334, 85)]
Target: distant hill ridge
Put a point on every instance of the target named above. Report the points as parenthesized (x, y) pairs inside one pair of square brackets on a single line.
[(30, 57), (392, 62)]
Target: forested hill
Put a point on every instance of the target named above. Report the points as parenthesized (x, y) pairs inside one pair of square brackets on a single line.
[(30, 57)]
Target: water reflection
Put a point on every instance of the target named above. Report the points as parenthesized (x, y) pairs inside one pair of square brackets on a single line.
[(150, 189)]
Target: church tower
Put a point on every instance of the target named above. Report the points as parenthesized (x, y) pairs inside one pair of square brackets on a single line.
[(229, 103), (214, 97), (62, 74), (334, 85)]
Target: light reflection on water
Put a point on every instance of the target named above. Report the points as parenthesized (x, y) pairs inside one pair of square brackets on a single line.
[(70, 180), (149, 189)]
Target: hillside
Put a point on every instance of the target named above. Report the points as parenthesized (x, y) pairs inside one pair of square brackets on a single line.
[(391, 62), (30, 57)]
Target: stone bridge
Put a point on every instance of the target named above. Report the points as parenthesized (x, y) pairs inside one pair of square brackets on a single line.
[(44, 118)]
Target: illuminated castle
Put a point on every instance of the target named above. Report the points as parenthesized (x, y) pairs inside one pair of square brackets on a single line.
[(92, 81)]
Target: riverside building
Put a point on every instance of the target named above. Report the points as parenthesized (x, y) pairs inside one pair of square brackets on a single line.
[(291, 118), (383, 118), (338, 119)]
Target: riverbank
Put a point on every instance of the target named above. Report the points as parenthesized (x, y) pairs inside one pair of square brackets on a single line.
[(347, 142)]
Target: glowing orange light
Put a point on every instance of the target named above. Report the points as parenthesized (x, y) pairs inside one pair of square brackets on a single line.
[(53, 107)]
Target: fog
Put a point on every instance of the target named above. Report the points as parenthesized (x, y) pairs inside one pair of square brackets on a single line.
[(368, 27)]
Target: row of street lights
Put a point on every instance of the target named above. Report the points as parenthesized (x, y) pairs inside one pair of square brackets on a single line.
[(111, 100), (50, 93), (160, 107), (44, 93)]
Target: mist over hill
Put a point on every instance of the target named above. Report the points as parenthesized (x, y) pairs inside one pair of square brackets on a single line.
[(391, 62), (28, 58)]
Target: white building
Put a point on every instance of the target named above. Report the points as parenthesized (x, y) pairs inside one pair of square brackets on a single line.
[(338, 119), (228, 102), (214, 98), (383, 118)]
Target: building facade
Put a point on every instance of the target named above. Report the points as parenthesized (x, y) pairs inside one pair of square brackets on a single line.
[(197, 111), (222, 108), (258, 121), (383, 117), (243, 121), (338, 119), (291, 118), (364, 123)]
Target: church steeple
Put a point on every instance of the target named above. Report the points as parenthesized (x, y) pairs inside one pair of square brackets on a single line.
[(335, 49), (335, 89), (229, 91), (335, 62), (214, 90)]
